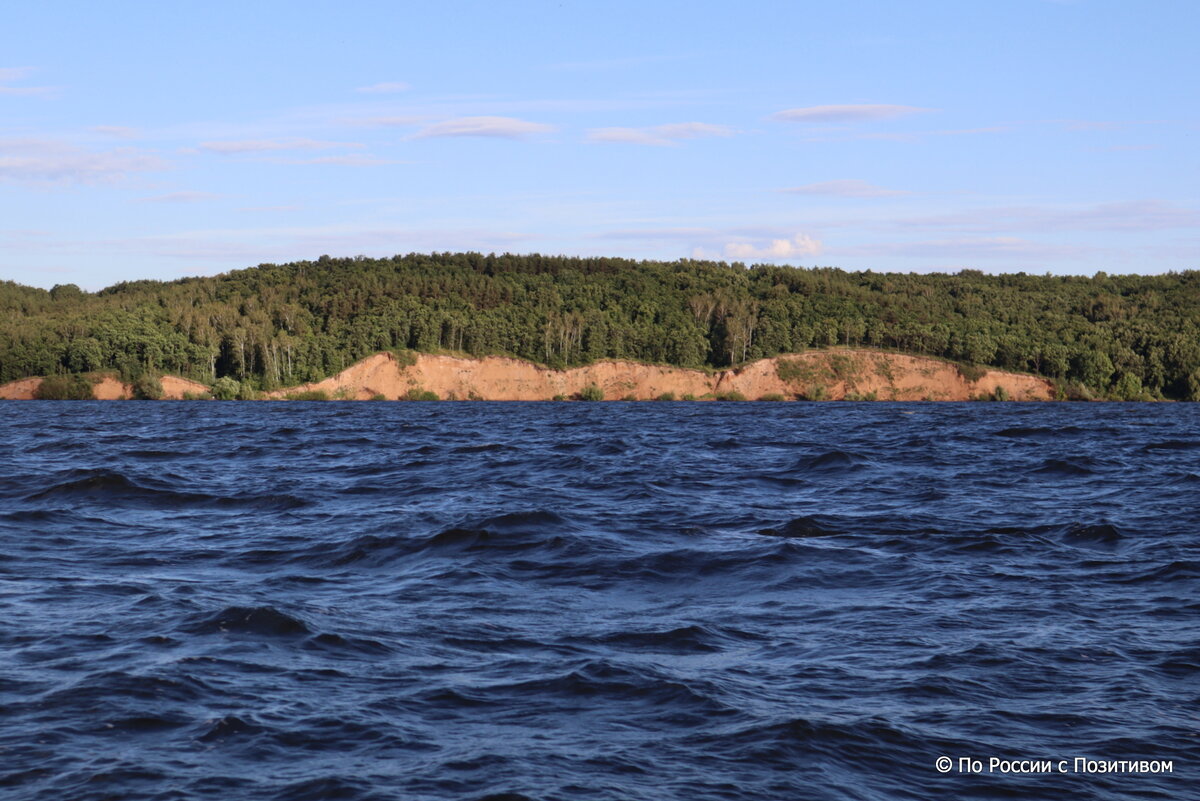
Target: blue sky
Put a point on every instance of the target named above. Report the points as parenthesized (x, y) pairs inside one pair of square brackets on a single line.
[(158, 140)]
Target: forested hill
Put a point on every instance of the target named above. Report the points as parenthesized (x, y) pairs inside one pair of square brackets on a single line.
[(280, 325)]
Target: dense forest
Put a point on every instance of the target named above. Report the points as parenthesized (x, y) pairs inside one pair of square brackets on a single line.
[(280, 325)]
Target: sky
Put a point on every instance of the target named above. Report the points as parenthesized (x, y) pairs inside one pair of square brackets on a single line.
[(167, 139)]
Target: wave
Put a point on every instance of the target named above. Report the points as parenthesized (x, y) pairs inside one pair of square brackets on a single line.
[(601, 680), (514, 531), (230, 726), (692, 639), (1102, 533), (1172, 445), (801, 527), (729, 602), (835, 461), (110, 486), (1065, 467), (1037, 432), (263, 620)]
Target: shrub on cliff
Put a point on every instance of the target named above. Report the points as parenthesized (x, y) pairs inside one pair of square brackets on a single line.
[(591, 393), (971, 372), (1128, 388), (225, 388), (64, 387), (418, 394), (147, 387), (309, 395)]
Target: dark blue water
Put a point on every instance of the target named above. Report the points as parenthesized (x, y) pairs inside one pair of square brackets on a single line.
[(596, 601)]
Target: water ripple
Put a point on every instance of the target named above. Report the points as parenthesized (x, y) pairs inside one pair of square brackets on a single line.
[(605, 601)]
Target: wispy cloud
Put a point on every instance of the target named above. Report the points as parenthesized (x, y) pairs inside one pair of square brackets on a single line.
[(267, 145), (115, 131), (613, 63), (237, 247), (849, 187), (846, 113), (499, 127), (657, 234), (384, 122), (10, 75), (181, 197), (1142, 215), (1127, 148), (659, 135), (385, 88), (1104, 125), (348, 160), (916, 136), (271, 208), (994, 247), (51, 161)]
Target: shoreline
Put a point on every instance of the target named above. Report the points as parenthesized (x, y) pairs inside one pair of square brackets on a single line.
[(834, 374)]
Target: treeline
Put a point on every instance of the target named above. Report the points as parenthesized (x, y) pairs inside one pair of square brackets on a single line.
[(281, 325)]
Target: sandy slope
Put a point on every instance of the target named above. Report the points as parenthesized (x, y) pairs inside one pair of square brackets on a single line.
[(21, 389), (107, 388), (831, 374), (175, 387)]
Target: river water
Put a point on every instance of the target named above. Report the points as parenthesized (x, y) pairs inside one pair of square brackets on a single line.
[(204, 600)]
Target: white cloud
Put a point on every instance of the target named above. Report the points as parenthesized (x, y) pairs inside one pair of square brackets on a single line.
[(850, 187), (385, 88), (799, 245), (265, 145), (501, 127), (659, 135), (58, 162), (845, 113), (763, 243)]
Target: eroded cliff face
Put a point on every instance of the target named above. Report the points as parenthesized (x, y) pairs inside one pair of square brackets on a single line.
[(106, 388), (832, 375), (838, 374), (815, 375)]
